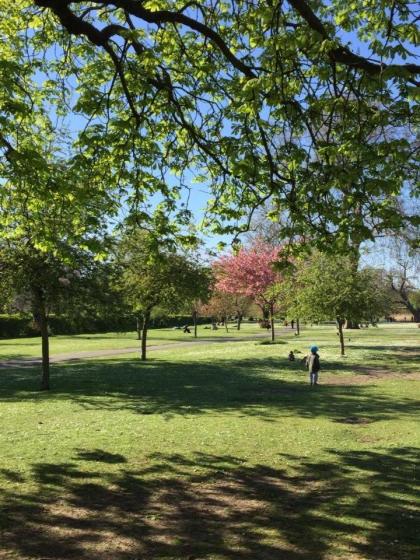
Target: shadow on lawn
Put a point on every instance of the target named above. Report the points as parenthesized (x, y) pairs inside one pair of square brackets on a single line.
[(250, 386), (358, 504)]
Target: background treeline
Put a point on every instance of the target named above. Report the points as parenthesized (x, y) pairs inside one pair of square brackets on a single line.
[(15, 326)]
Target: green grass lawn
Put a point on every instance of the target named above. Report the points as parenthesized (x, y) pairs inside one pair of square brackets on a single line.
[(31, 347), (216, 452)]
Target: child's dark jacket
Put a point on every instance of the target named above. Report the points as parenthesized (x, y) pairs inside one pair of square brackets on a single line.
[(312, 361)]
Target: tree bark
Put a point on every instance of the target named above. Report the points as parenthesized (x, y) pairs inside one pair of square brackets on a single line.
[(297, 326), (354, 260), (405, 300), (42, 322), (265, 312), (194, 318), (239, 321), (138, 327), (272, 322), (340, 323), (146, 318)]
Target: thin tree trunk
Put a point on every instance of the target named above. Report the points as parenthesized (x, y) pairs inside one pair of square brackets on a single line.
[(138, 327), (411, 308), (239, 321), (146, 318), (354, 259), (42, 321), (194, 317), (272, 322), (297, 326), (340, 323)]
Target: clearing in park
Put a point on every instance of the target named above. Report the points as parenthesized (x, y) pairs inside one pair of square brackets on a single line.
[(215, 451)]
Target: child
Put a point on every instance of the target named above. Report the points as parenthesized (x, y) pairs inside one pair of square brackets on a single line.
[(291, 356), (313, 364)]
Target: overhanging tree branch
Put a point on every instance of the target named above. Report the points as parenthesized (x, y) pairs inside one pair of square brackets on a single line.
[(344, 55)]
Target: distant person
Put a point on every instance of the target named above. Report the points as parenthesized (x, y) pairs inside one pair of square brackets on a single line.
[(186, 329), (291, 356), (313, 365)]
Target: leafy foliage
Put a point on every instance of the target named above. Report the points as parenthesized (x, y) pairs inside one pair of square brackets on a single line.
[(250, 273), (328, 287), (153, 274), (258, 101)]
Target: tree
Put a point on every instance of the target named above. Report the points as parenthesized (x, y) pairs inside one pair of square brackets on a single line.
[(250, 273), (220, 307), (403, 277), (197, 289), (328, 288), (44, 279), (50, 224), (240, 304), (153, 274), (259, 100)]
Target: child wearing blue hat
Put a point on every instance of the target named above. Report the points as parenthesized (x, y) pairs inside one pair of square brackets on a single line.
[(313, 365)]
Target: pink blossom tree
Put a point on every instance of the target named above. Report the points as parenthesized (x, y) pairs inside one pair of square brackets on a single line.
[(250, 273)]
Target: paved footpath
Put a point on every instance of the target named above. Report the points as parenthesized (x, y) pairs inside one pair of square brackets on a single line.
[(76, 356)]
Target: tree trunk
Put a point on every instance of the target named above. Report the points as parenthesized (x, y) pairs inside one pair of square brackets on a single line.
[(146, 318), (297, 326), (272, 321), (239, 321), (340, 324), (411, 308), (194, 318), (138, 327), (352, 324), (226, 324), (354, 259), (42, 322)]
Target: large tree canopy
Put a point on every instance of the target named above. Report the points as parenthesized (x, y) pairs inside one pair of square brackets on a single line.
[(307, 103)]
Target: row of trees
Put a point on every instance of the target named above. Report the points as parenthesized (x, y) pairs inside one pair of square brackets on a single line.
[(315, 287), (142, 274), (257, 101)]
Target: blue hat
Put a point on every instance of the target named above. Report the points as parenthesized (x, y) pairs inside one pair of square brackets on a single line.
[(314, 349)]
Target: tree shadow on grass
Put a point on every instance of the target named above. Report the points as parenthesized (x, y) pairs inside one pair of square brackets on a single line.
[(248, 386), (356, 504)]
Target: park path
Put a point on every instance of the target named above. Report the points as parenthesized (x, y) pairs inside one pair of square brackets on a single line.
[(75, 356)]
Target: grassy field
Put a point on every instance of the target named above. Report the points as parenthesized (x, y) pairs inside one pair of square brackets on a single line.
[(215, 451), (16, 348)]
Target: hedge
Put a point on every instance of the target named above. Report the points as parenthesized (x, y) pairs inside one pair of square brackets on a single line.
[(16, 326)]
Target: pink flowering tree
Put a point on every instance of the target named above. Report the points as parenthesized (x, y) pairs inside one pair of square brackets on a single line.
[(251, 273)]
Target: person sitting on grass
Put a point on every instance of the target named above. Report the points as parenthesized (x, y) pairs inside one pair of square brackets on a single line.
[(313, 365), (186, 329), (291, 356)]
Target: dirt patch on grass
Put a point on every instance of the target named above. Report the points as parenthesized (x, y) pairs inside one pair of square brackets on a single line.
[(367, 375), (355, 420)]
